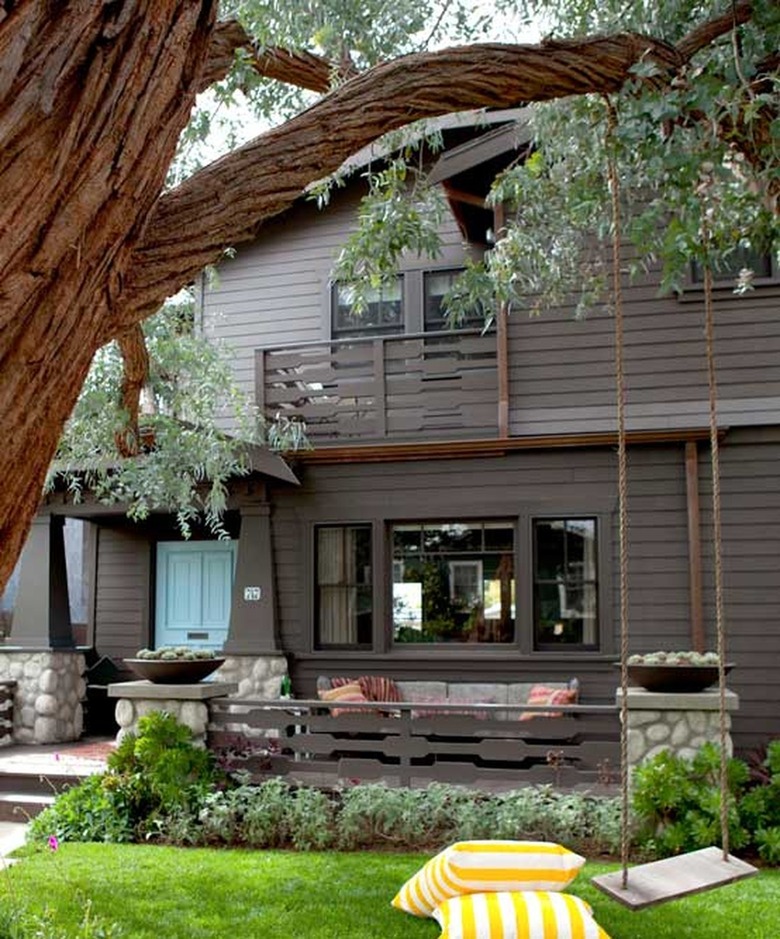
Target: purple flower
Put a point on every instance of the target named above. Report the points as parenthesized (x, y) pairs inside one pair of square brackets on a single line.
[(53, 842)]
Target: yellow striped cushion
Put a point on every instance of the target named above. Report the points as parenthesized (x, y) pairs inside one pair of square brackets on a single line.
[(526, 914), (478, 866)]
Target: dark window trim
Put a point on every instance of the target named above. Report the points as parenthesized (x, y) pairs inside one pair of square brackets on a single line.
[(522, 648), (574, 646), (366, 332), (466, 648), (723, 284), (314, 588)]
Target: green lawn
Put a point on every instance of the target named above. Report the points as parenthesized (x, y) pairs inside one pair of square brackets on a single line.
[(175, 893)]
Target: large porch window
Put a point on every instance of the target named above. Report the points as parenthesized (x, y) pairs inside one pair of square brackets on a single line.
[(565, 583), (344, 589), (454, 582)]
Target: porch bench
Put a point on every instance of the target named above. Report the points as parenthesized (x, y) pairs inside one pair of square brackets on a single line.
[(469, 694)]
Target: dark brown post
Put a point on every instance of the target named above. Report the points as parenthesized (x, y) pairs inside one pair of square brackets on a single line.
[(698, 639), (260, 380), (380, 396), (252, 628), (42, 611)]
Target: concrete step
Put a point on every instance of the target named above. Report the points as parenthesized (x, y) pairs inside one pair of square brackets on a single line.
[(22, 806), (39, 781)]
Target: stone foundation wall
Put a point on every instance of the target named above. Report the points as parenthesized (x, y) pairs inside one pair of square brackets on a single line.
[(256, 676), (194, 714), (680, 723), (49, 694)]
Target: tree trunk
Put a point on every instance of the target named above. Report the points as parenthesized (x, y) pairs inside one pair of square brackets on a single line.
[(93, 97)]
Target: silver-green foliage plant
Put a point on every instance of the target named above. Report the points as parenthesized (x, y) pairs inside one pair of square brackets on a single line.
[(186, 455)]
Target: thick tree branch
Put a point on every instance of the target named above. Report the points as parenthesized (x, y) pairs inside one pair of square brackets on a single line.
[(225, 203), (704, 35), (303, 69), (132, 345)]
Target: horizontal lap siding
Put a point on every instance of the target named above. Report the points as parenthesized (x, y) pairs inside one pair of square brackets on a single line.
[(121, 593), (274, 292), (561, 369), (750, 515), (535, 482)]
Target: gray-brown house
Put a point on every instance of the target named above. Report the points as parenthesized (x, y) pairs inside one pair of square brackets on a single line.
[(456, 517)]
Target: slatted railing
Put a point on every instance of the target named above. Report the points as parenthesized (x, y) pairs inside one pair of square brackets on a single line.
[(443, 385), (484, 746)]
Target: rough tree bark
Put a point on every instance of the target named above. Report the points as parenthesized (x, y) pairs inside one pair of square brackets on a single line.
[(93, 95)]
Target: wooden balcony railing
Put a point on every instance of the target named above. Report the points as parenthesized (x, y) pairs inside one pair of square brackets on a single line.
[(440, 385), (485, 746)]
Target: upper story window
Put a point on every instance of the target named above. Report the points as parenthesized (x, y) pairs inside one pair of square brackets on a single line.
[(436, 285), (344, 616), (759, 264), (454, 582), (565, 583), (383, 315)]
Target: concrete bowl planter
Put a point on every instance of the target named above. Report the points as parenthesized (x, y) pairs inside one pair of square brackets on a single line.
[(174, 671), (680, 679)]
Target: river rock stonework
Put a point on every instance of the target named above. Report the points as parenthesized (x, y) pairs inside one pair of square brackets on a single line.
[(680, 723), (256, 676), (194, 714), (50, 689)]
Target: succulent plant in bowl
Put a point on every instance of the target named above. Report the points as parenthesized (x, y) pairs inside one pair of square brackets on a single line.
[(175, 654), (174, 664), (684, 672)]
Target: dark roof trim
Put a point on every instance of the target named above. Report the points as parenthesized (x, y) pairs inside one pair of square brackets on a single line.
[(486, 147)]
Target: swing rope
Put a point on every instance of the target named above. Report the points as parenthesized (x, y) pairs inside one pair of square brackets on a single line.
[(720, 629), (620, 391), (623, 523)]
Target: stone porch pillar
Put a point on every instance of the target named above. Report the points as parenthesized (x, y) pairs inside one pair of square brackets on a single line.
[(40, 655), (677, 722)]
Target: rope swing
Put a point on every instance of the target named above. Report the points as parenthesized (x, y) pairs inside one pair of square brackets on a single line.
[(674, 877)]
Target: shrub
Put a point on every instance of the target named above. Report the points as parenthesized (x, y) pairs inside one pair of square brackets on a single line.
[(677, 803), (153, 779), (95, 810)]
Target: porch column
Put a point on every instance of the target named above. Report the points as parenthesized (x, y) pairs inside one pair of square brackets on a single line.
[(42, 612), (252, 628)]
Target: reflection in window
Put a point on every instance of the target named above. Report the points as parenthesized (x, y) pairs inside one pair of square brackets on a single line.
[(760, 264), (382, 316), (436, 285), (344, 589), (565, 583), (454, 582)]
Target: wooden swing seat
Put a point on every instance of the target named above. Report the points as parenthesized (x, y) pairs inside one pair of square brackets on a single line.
[(673, 877)]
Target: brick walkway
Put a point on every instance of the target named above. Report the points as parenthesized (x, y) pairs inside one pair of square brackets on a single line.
[(82, 758)]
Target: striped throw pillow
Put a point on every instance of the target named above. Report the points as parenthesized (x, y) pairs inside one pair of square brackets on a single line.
[(526, 914), (541, 694), (479, 866), (350, 692)]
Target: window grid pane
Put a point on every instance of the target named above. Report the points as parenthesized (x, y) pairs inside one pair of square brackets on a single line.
[(452, 583), (383, 315), (565, 583), (344, 586)]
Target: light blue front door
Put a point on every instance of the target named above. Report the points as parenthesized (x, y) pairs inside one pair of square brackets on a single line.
[(194, 584)]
